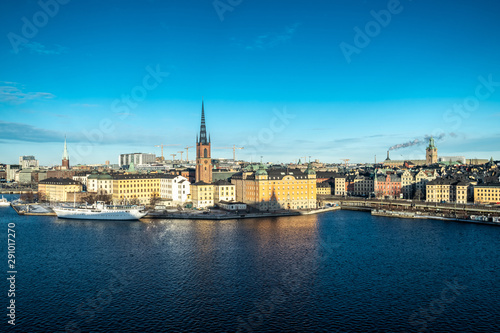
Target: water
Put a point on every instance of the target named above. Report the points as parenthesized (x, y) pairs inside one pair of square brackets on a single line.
[(337, 272)]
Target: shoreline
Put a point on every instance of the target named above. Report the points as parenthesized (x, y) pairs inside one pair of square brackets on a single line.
[(233, 216), (419, 216)]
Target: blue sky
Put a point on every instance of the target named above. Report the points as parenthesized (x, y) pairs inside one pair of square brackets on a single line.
[(283, 79)]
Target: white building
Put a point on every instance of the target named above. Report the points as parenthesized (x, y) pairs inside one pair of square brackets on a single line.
[(232, 205), (11, 171), (175, 188), (28, 162), (100, 183), (224, 191), (82, 178), (136, 158)]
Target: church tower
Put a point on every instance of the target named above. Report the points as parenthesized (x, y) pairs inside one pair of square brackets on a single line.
[(65, 157), (431, 155), (203, 152)]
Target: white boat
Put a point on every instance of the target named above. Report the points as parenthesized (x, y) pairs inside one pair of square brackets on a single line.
[(100, 211), (4, 202)]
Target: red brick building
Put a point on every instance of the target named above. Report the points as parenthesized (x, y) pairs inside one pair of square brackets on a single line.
[(387, 186)]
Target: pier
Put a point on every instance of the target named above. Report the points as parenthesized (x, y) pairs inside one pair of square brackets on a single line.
[(419, 209)]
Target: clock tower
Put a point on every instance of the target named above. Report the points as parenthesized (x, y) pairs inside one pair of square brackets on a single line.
[(203, 152)]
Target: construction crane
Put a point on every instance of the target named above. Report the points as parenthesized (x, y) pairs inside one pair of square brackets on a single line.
[(173, 156), (162, 145), (187, 153), (233, 148), (345, 161), (181, 152)]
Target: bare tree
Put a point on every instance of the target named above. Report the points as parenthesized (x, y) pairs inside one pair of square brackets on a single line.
[(42, 197), (154, 199), (134, 201)]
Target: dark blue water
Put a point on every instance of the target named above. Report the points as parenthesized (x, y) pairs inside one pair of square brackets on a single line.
[(338, 272)]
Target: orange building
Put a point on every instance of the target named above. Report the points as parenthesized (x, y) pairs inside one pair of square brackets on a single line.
[(276, 189)]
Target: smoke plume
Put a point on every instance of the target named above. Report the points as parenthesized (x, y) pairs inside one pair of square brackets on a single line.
[(423, 141)]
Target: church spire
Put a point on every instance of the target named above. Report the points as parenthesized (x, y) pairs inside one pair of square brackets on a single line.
[(65, 153), (203, 128)]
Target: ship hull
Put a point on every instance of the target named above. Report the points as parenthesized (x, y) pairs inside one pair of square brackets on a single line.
[(98, 215)]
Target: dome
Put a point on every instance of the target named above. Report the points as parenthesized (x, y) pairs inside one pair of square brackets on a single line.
[(310, 170), (261, 172)]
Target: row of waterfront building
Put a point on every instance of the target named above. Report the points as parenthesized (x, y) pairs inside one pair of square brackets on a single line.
[(267, 187)]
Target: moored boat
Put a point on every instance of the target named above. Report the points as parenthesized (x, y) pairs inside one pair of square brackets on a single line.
[(4, 202), (101, 211)]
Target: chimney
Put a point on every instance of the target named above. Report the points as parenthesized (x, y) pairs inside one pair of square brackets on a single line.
[(388, 159)]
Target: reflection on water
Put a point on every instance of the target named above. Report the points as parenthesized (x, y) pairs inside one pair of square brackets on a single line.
[(336, 272)]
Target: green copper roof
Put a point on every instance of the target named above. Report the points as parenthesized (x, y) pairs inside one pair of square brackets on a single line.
[(310, 170), (431, 143), (261, 172)]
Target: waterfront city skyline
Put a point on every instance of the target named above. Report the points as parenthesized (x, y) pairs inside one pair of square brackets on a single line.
[(282, 81)]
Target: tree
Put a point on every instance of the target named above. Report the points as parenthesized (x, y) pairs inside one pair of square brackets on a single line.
[(42, 197), (418, 194), (154, 199), (27, 197), (134, 201), (89, 198)]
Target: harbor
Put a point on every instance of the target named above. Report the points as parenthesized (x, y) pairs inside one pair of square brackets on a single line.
[(35, 209), (444, 212)]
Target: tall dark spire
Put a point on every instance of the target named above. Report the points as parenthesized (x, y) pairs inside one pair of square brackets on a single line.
[(203, 128)]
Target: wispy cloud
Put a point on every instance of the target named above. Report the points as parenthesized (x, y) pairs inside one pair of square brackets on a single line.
[(24, 132), (270, 40), (13, 95), (38, 48), (29, 133)]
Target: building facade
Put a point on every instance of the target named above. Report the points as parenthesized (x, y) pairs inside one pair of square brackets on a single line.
[(203, 152), (175, 188), (202, 194), (142, 187), (388, 185), (101, 183), (324, 188), (339, 185), (487, 194), (136, 158), (407, 184), (59, 189), (224, 191), (11, 170), (447, 191), (276, 189), (28, 162), (363, 186)]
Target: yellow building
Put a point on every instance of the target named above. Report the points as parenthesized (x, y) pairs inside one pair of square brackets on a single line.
[(324, 188), (202, 194), (487, 194), (59, 189), (224, 191), (136, 186), (276, 188), (447, 190)]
